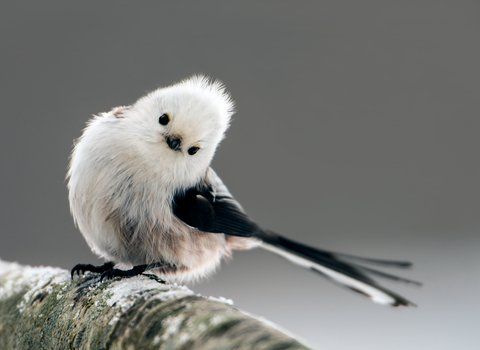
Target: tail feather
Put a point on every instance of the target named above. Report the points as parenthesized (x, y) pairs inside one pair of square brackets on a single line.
[(377, 293), (386, 263), (334, 267), (388, 276)]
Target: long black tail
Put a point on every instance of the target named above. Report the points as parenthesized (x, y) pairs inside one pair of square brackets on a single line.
[(341, 268)]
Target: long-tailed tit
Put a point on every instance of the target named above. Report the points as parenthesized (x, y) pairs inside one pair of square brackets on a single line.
[(145, 198)]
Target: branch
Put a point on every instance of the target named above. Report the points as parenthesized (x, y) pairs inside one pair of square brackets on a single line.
[(42, 308)]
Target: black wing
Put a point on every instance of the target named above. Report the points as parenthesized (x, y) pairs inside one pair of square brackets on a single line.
[(210, 207)]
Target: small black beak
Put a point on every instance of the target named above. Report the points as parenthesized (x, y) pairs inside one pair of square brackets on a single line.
[(173, 142)]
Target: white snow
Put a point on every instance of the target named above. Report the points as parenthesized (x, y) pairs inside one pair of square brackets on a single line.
[(36, 279), (221, 300), (123, 293)]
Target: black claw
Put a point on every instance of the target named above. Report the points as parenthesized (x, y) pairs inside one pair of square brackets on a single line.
[(112, 273), (106, 275), (108, 272), (155, 277), (80, 269)]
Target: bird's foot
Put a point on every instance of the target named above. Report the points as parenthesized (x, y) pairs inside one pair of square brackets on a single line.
[(112, 273), (136, 270), (80, 269)]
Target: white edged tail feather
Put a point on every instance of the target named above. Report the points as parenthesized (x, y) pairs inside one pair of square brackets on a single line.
[(360, 283)]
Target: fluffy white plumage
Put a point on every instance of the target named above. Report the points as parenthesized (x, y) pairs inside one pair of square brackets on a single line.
[(122, 166), (141, 192)]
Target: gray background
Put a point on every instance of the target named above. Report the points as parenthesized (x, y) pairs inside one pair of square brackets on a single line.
[(357, 131)]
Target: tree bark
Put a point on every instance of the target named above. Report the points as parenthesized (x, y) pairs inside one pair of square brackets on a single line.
[(42, 308)]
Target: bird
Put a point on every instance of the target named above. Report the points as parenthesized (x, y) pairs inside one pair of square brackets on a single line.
[(145, 198)]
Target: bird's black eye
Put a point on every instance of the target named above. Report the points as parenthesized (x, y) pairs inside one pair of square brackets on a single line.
[(193, 150), (164, 119)]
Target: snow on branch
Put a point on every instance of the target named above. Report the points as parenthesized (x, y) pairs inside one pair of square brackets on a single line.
[(42, 308)]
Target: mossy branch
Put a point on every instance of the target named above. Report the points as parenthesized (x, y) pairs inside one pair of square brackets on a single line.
[(42, 308)]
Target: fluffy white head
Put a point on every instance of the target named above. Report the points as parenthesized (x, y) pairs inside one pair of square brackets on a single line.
[(198, 112)]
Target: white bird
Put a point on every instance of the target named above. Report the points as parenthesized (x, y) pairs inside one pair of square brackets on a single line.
[(143, 195)]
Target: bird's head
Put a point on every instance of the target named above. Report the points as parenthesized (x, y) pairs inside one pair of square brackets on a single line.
[(176, 129)]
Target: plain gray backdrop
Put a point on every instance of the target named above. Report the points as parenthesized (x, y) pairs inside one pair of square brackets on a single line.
[(357, 130)]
